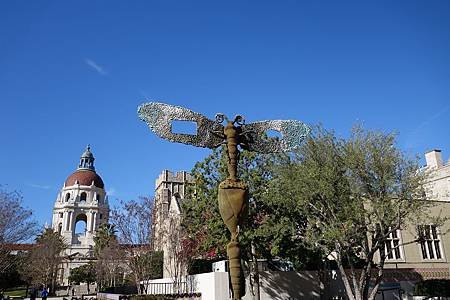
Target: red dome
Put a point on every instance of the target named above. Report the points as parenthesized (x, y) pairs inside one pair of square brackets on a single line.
[(85, 177)]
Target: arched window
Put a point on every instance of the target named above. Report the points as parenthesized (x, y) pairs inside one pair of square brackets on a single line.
[(83, 196), (97, 197), (80, 224), (67, 197)]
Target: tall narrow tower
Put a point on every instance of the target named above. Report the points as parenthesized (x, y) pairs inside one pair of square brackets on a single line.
[(80, 208)]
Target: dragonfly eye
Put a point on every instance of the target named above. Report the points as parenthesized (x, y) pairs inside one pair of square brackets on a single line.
[(239, 120), (220, 117)]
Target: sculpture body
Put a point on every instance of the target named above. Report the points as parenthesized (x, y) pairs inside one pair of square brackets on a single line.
[(233, 205), (233, 193)]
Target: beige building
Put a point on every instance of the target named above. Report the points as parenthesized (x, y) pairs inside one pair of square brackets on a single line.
[(80, 207), (170, 190), (429, 258)]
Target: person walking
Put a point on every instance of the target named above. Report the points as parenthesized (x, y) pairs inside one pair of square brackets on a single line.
[(33, 294), (44, 294)]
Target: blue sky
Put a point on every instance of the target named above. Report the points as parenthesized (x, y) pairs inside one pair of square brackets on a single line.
[(73, 73)]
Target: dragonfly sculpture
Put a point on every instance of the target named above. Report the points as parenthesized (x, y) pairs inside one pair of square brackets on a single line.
[(236, 135)]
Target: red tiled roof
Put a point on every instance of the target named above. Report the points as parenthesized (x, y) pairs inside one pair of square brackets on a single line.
[(19, 247), (85, 177)]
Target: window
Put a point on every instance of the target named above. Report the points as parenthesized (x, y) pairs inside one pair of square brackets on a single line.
[(101, 216), (61, 215), (97, 197), (67, 197), (392, 245), (83, 196), (80, 224), (430, 242)]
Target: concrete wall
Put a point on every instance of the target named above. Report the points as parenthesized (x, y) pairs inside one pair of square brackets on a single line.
[(286, 285), (273, 285)]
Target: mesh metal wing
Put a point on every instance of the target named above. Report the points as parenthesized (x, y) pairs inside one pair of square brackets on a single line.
[(292, 134), (159, 117)]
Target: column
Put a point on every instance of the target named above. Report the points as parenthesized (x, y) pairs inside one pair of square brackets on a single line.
[(89, 221), (65, 223), (69, 223), (94, 220)]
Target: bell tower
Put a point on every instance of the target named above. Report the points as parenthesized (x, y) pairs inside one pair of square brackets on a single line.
[(81, 206)]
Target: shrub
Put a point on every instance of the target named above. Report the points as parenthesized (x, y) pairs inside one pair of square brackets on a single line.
[(433, 288)]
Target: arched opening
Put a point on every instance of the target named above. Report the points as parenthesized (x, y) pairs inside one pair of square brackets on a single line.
[(67, 197), (83, 196), (59, 228), (97, 197), (80, 224)]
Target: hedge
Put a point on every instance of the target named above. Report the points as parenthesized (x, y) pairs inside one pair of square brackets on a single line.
[(433, 288)]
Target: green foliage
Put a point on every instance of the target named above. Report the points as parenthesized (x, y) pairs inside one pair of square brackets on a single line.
[(347, 196), (433, 288), (11, 277), (199, 266), (201, 216), (18, 292), (105, 233), (84, 273), (269, 226), (156, 262), (332, 196), (150, 263), (42, 262)]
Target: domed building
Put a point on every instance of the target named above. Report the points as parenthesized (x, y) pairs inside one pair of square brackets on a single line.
[(80, 208)]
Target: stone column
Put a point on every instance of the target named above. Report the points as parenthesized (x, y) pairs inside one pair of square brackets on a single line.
[(89, 222), (65, 223), (70, 225), (94, 221)]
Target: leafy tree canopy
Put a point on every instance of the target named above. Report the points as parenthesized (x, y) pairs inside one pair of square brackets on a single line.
[(347, 196), (269, 226)]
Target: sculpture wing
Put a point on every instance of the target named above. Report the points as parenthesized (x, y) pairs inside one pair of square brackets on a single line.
[(292, 134), (159, 117)]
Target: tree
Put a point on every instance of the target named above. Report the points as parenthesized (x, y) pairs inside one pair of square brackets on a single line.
[(16, 226), (347, 196), (105, 233), (12, 277), (85, 273), (265, 234), (109, 265), (44, 259), (109, 257), (133, 221), (272, 234)]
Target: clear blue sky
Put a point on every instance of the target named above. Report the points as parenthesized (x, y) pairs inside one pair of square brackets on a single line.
[(73, 73)]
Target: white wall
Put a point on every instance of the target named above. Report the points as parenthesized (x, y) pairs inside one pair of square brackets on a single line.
[(273, 285)]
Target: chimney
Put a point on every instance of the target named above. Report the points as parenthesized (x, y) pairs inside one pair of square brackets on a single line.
[(434, 158)]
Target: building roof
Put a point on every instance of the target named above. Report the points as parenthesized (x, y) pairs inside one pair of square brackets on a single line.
[(85, 173), (19, 247), (85, 177)]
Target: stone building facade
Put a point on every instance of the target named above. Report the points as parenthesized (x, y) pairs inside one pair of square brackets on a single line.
[(170, 191), (81, 206)]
